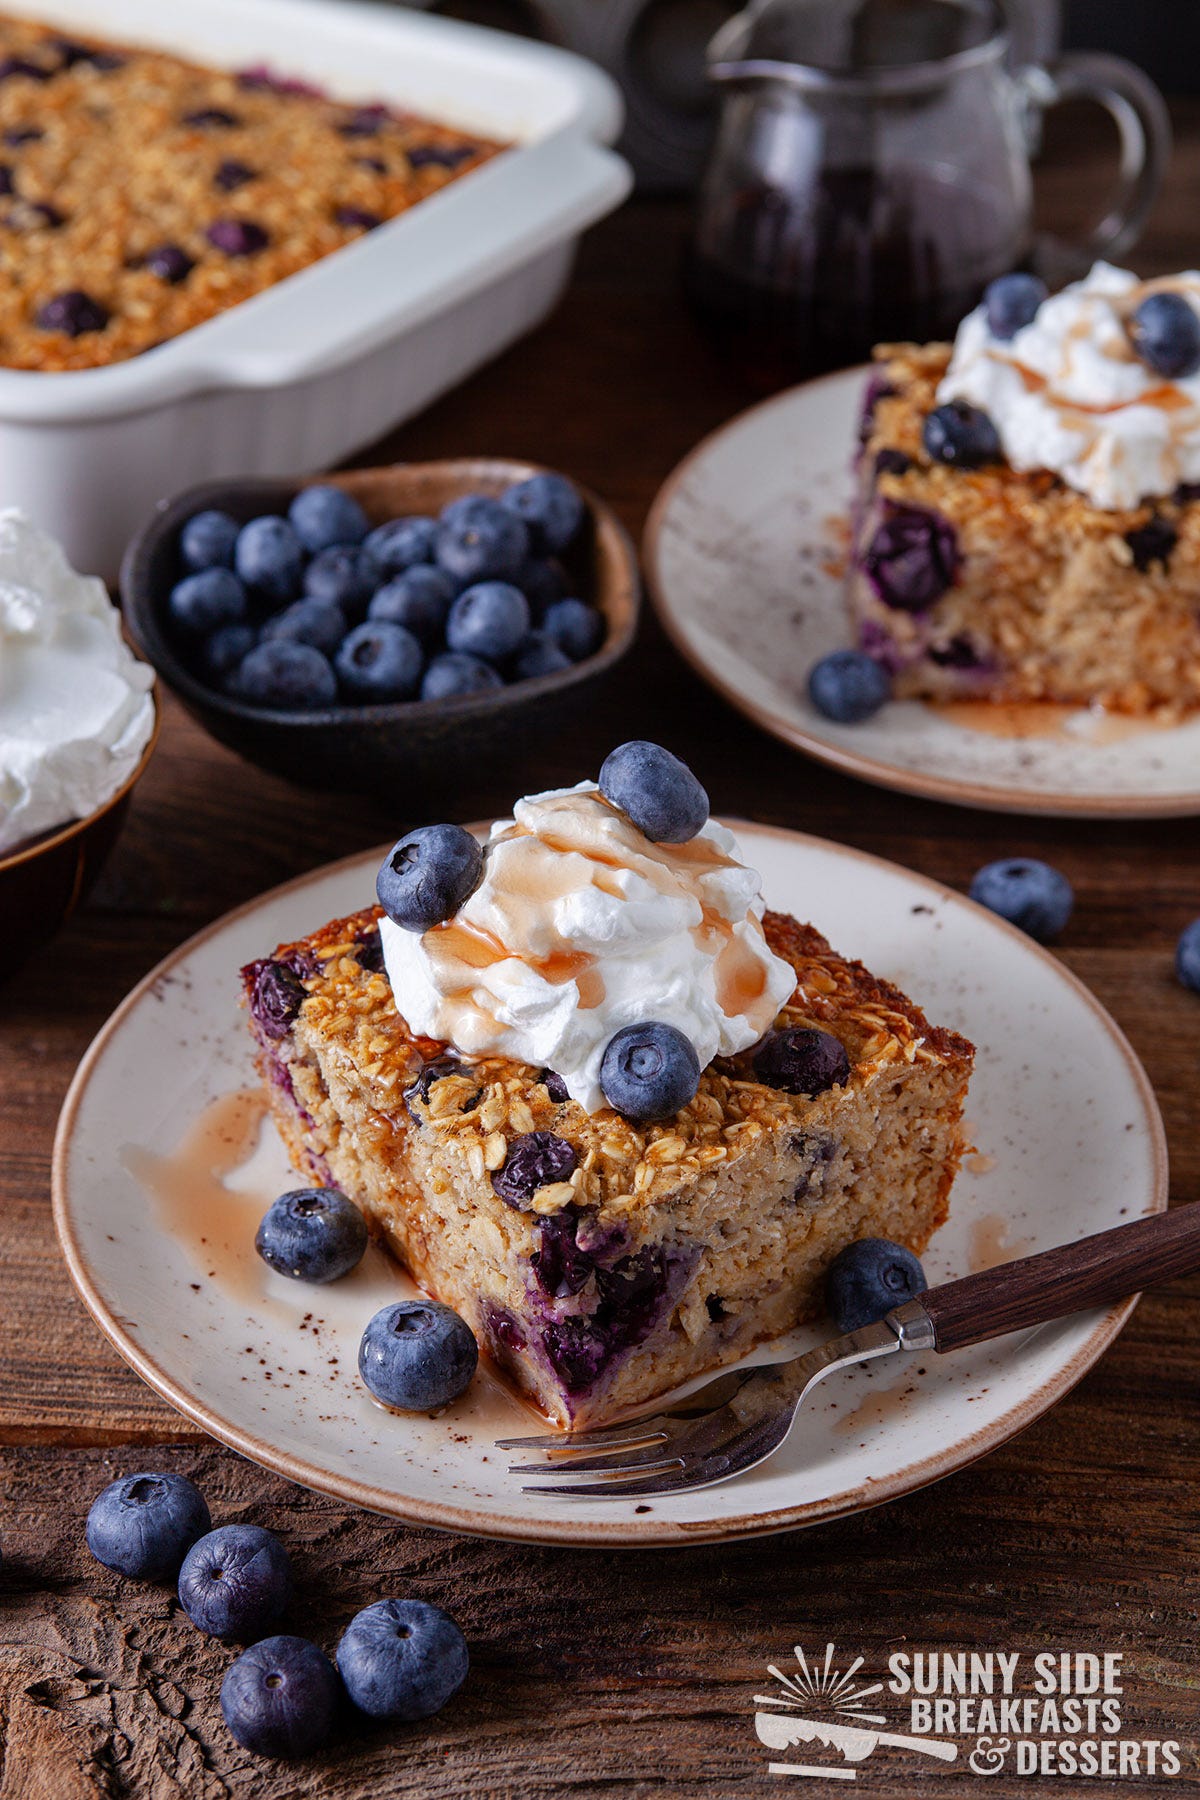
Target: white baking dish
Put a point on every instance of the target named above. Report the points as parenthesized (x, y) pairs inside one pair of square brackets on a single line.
[(332, 357)]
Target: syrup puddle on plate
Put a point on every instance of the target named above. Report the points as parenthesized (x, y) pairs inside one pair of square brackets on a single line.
[(880, 1406), (991, 1243), (1021, 720)]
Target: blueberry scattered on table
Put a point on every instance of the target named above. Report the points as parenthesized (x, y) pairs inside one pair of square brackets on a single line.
[(1165, 333), (655, 790), (1011, 302), (73, 313), (208, 540), (453, 676), (269, 557), (143, 1525), (961, 435), (536, 1160), (402, 1659), (649, 1071), (1187, 956), (312, 1234), (551, 509), (848, 686), (802, 1060), (577, 629), (378, 662), (210, 597), (1026, 892), (281, 1698), (235, 1582), (316, 622), (285, 675), (426, 876), (322, 516), (479, 539), (417, 1355), (867, 1279)]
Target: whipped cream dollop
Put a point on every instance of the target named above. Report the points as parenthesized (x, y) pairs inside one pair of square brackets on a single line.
[(1069, 393), (581, 926), (75, 706)]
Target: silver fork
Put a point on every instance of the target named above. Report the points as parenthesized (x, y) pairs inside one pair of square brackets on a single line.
[(740, 1419)]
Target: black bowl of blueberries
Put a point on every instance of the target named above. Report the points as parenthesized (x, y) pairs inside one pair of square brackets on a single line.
[(382, 624)]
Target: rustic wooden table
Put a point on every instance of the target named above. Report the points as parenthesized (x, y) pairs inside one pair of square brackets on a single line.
[(593, 1673)]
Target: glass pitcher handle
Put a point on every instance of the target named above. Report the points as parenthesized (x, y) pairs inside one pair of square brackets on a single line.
[(1140, 114)]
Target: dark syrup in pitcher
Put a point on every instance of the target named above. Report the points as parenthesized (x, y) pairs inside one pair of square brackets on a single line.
[(789, 286)]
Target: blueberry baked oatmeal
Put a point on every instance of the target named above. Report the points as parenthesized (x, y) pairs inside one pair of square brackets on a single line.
[(598, 1101), (141, 194), (1028, 518)]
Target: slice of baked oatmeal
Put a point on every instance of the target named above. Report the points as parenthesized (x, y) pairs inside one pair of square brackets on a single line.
[(601, 1262)]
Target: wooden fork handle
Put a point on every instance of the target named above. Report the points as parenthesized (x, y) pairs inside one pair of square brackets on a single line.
[(1095, 1271)]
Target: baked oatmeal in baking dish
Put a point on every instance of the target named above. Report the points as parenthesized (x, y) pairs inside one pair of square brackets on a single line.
[(141, 194), (603, 1106), (1028, 516)]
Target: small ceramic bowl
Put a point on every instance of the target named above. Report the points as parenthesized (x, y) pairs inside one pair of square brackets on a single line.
[(42, 883), (372, 748)]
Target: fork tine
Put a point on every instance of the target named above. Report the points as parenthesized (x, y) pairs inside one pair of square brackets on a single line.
[(656, 1456), (613, 1437), (620, 1490)]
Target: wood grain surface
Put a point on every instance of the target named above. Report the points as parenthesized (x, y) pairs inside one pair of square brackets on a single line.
[(595, 1674)]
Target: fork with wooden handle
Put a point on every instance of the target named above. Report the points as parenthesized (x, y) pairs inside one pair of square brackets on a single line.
[(740, 1419)]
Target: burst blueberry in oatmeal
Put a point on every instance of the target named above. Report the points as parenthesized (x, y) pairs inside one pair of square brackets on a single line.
[(141, 194), (1027, 524), (596, 1099)]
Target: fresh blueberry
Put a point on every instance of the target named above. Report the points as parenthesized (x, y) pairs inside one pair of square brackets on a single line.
[(536, 1160), (72, 312), (1187, 956), (655, 790), (402, 1659), (144, 1525), (210, 597), (398, 545), (225, 649), (269, 558), (235, 1582), (237, 237), (1011, 302), (425, 878), (542, 581), (281, 1698), (867, 1279), (913, 557), (207, 540), (170, 262), (539, 655), (419, 599), (490, 620), (551, 509), (649, 1071), (577, 629), (315, 622), (961, 435), (802, 1061), (312, 1234), (417, 1355), (452, 676), (324, 515), (848, 686), (379, 662), (480, 540), (1165, 332), (1028, 893), (286, 675), (337, 575)]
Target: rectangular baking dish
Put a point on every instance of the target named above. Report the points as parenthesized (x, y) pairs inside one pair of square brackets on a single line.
[(331, 358)]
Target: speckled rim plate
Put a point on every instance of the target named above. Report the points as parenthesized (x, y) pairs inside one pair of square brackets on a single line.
[(743, 553), (1069, 1136)]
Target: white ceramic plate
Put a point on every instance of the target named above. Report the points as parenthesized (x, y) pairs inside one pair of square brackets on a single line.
[(1069, 1142), (743, 551)]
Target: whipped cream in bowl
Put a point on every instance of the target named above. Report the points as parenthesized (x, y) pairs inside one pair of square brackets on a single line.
[(1068, 392), (76, 705), (581, 926)]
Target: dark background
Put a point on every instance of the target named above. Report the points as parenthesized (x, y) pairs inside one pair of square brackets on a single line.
[(1162, 35)]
